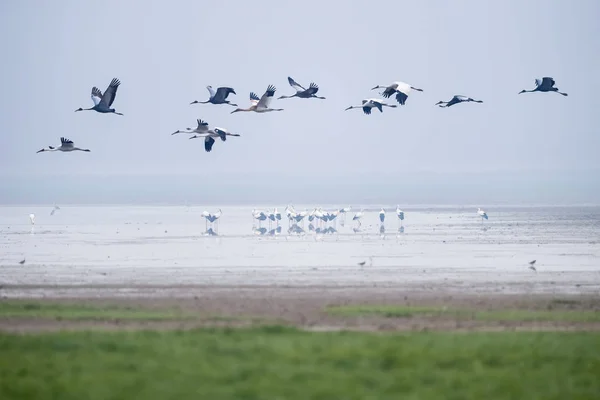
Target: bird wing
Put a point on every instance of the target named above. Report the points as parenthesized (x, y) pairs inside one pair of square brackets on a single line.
[(313, 88), (96, 95), (295, 85), (367, 110), (222, 134), (538, 82), (403, 87), (547, 81), (111, 92), (378, 105), (254, 99), (66, 142), (211, 91), (202, 126), (223, 92), (208, 143), (265, 100)]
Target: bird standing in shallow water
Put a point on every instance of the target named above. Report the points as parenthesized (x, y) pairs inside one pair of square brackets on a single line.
[(531, 265), (545, 84), (102, 102)]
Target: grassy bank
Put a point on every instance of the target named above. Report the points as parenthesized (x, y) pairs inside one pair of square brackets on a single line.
[(283, 363), (464, 314)]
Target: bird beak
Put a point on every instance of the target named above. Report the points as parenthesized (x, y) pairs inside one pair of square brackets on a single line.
[(376, 87), (39, 151), (194, 102), (349, 108)]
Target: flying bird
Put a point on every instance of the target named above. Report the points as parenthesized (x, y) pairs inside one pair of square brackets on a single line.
[(457, 99), (368, 104), (66, 145), (260, 105), (218, 97), (546, 84), (301, 91), (401, 89), (211, 134), (201, 128), (102, 102)]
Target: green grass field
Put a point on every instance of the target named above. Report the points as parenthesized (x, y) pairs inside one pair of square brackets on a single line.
[(32, 309), (556, 315), (283, 363)]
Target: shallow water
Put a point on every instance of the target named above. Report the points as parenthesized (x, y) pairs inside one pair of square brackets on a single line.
[(439, 248)]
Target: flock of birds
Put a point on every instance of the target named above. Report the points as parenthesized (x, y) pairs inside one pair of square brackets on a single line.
[(401, 90)]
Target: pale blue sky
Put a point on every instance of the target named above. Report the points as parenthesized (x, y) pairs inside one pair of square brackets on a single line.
[(165, 53)]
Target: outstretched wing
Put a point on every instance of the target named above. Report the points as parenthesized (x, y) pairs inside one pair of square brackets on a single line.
[(222, 134), (538, 82), (295, 85), (223, 92), (367, 110), (66, 142), (547, 81), (202, 126), (401, 98), (96, 95), (254, 98), (313, 88), (208, 143), (111, 92), (266, 98), (211, 91)]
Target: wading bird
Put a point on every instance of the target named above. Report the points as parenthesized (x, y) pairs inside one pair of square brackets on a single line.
[(401, 89), (218, 97), (302, 92), (260, 105), (532, 265), (457, 99), (382, 215), (399, 213), (367, 104), (482, 214), (66, 145), (546, 84), (102, 102)]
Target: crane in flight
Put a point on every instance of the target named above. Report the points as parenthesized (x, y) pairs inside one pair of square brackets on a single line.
[(102, 102), (65, 145)]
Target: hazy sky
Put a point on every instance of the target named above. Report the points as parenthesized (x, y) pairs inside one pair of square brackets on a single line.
[(166, 53)]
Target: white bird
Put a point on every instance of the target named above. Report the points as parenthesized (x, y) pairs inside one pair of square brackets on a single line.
[(201, 128), (32, 219), (368, 104), (301, 91), (259, 216), (209, 135), (358, 216), (482, 214), (382, 215), (401, 89), (546, 84), (54, 209), (260, 105), (217, 97), (102, 102), (455, 100), (65, 145), (399, 213)]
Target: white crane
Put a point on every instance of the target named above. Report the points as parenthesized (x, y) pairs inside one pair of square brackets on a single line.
[(32, 219), (399, 213), (209, 135), (401, 89), (259, 216), (357, 217), (368, 104), (217, 97), (260, 105), (200, 129), (546, 84), (382, 215), (301, 91), (456, 99), (65, 145), (102, 102), (211, 217), (482, 214)]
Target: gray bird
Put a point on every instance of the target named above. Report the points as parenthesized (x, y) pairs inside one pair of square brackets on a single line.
[(102, 102), (546, 84), (22, 262), (531, 265), (457, 99), (217, 97)]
